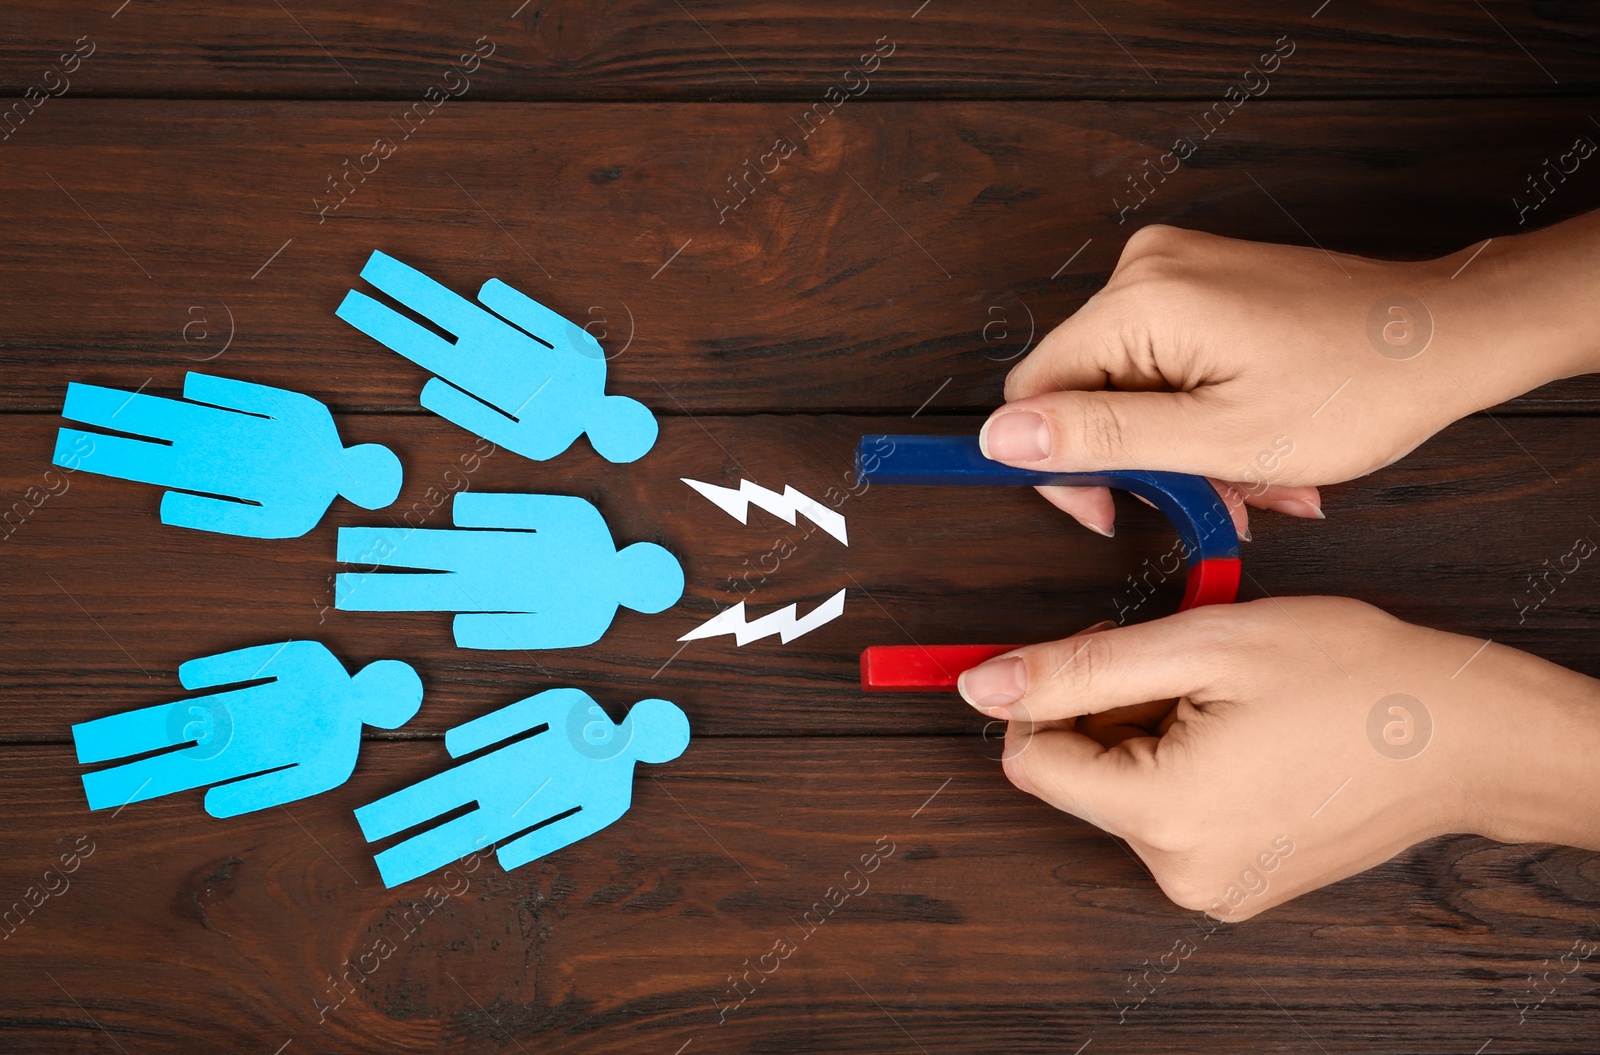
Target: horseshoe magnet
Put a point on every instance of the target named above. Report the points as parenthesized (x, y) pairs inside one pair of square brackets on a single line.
[(1211, 546)]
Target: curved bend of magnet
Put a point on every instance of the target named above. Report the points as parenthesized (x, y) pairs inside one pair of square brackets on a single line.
[(1210, 544)]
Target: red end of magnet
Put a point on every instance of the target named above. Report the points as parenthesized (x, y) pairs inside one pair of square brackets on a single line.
[(897, 668), (1214, 581)]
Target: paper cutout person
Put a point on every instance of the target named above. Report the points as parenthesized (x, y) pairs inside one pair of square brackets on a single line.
[(571, 778), (545, 575), (240, 458), (294, 736), (531, 390)]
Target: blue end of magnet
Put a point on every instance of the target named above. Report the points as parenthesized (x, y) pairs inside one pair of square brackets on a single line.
[(1190, 502)]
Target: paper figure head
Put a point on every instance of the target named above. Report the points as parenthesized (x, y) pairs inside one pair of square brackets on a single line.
[(376, 474), (649, 579), (658, 731), (622, 429), (388, 693)]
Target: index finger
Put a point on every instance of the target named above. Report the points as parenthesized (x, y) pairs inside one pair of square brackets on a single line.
[(1065, 358), (1108, 787)]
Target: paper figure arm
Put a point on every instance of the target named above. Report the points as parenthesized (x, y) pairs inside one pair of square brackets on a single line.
[(249, 398), (368, 545), (519, 630), (451, 312), (82, 401), (550, 707), (537, 320), (72, 447), (447, 309), (101, 407), (268, 789), (528, 512), (552, 837), (397, 333), (478, 417), (228, 517), (243, 664), (129, 733)]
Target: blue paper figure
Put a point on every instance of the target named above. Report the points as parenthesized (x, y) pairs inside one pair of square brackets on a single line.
[(294, 736), (531, 392), (545, 575), (568, 780), (241, 458)]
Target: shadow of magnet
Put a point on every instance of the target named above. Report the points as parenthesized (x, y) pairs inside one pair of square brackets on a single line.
[(1211, 546)]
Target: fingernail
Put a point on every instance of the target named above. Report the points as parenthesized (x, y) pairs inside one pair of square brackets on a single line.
[(1297, 507), (994, 686), (1015, 436), (1244, 534), (1109, 531), (1104, 624)]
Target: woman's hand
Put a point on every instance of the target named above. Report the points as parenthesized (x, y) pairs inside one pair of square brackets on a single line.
[(1274, 369), (1249, 753)]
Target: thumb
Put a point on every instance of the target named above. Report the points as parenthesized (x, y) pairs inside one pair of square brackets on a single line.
[(1075, 431), (1180, 655)]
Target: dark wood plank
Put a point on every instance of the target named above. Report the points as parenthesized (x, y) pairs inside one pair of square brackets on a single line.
[(857, 285), (864, 275), (995, 923), (105, 602), (783, 49)]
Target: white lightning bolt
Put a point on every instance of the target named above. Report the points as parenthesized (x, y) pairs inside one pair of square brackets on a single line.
[(783, 622), (737, 504)]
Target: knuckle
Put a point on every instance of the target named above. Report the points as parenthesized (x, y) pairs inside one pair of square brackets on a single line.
[(1265, 624), (1139, 278), (1147, 241), (1185, 888), (1259, 623), (1353, 609), (1011, 765), (1215, 629), (1073, 667), (1098, 430), (1155, 252), (1169, 830)]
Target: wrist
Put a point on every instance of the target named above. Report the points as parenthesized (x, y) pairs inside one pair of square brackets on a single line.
[(1533, 777), (1517, 312)]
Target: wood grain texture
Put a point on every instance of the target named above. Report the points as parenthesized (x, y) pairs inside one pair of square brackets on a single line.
[(994, 923), (174, 209), (784, 49), (904, 259), (106, 602)]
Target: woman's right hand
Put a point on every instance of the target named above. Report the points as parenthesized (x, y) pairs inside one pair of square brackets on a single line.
[(1219, 741)]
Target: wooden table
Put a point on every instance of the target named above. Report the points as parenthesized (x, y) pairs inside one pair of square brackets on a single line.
[(198, 187)]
